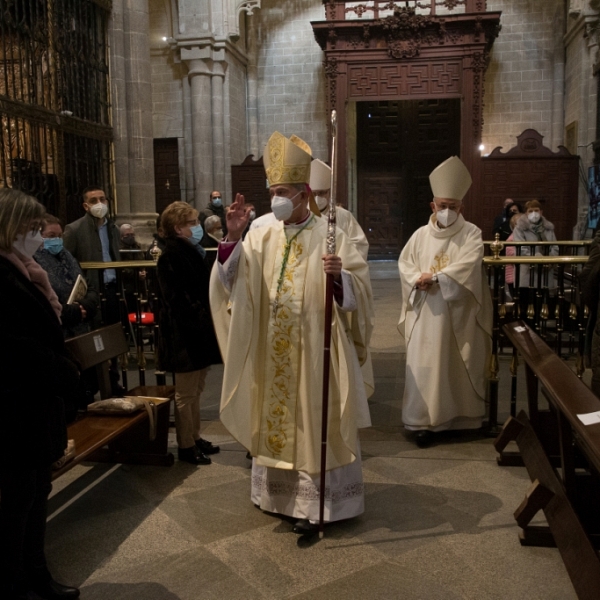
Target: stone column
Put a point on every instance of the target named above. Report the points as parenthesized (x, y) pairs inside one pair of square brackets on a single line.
[(218, 125), (252, 84), (202, 134), (188, 192), (139, 106), (119, 108)]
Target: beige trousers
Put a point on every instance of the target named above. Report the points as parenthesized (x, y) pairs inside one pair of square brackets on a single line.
[(188, 388)]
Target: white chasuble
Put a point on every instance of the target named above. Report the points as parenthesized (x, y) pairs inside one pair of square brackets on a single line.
[(271, 340), (447, 329)]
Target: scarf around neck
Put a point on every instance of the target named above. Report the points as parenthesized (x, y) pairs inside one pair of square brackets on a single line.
[(32, 271)]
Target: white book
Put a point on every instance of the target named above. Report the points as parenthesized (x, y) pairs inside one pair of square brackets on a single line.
[(79, 290)]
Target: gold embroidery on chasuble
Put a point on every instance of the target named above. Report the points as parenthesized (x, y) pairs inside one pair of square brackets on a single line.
[(277, 433), (440, 261)]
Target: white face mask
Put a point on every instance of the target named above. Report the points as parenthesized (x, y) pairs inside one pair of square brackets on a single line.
[(446, 217), (99, 210), (29, 243), (322, 202), (534, 216), (283, 207)]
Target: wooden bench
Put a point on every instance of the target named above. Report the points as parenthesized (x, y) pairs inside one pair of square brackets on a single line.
[(123, 438), (570, 500)]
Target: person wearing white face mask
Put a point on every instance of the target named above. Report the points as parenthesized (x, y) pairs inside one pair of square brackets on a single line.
[(320, 182), (268, 304), (533, 227), (446, 317), (95, 238), (35, 376)]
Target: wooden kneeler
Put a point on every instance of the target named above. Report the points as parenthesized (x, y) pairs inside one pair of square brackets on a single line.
[(548, 494)]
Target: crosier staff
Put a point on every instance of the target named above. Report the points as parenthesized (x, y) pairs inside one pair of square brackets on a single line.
[(331, 249)]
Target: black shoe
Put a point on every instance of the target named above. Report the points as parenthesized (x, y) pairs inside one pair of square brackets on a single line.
[(424, 438), (304, 526), (52, 590), (193, 456), (206, 447), (248, 456)]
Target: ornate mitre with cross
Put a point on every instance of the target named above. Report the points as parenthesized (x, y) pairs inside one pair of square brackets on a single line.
[(287, 161), (450, 180)]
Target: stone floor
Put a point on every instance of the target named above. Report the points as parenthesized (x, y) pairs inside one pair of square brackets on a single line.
[(438, 522)]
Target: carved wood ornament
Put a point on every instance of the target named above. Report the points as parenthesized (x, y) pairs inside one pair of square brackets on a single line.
[(409, 50)]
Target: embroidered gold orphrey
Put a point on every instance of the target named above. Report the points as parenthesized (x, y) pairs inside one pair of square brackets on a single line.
[(440, 261), (277, 435)]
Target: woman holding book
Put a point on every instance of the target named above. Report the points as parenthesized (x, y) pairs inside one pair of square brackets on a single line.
[(63, 271)]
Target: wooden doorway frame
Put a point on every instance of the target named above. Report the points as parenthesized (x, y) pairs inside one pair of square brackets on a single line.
[(409, 56)]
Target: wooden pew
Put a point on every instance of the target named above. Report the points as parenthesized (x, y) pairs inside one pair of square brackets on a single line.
[(570, 500), (123, 438)]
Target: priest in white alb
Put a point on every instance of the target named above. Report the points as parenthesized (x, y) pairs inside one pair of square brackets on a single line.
[(446, 317), (268, 305)]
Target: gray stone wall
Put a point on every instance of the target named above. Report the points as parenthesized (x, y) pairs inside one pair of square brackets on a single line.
[(524, 83), (291, 82), (167, 75), (237, 117)]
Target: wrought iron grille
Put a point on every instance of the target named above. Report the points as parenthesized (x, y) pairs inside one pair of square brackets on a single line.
[(55, 129)]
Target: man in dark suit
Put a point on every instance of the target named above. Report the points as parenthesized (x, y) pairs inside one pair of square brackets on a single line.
[(95, 238)]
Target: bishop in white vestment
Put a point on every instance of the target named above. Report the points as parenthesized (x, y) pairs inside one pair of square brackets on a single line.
[(446, 316), (267, 299)]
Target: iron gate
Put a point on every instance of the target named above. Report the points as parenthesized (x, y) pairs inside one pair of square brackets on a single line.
[(55, 134)]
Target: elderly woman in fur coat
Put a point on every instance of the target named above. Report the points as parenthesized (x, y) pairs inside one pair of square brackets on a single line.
[(533, 227)]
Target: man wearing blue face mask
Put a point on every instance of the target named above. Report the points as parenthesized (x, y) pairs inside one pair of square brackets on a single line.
[(62, 270), (446, 317), (215, 207)]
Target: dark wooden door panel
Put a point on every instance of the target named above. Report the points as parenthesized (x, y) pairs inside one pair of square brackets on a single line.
[(399, 144), (166, 172), (382, 214)]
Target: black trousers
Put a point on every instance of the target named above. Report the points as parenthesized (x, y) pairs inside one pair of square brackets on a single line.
[(23, 507)]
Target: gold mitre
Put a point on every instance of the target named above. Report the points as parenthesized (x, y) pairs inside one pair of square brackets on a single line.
[(450, 180), (287, 160), (320, 175)]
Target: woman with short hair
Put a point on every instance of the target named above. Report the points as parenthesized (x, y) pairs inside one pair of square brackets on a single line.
[(187, 342), (35, 376), (63, 269), (533, 227)]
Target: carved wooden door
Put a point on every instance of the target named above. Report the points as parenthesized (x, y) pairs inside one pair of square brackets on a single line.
[(166, 172), (398, 145)]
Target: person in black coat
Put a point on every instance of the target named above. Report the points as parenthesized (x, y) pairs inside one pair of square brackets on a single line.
[(187, 343), (215, 207), (504, 228), (63, 269), (35, 375)]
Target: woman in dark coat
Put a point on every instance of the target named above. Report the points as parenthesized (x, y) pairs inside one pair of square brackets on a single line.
[(187, 344), (35, 376), (63, 269)]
